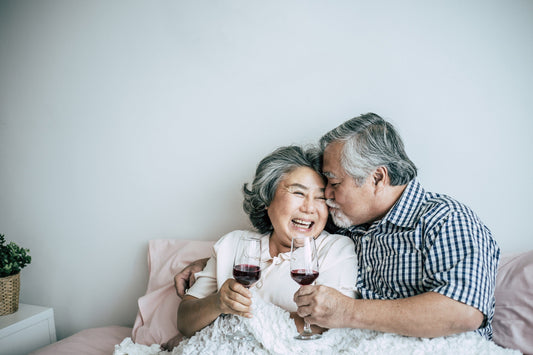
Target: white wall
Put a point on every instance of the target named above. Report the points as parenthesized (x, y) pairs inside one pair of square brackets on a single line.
[(124, 121)]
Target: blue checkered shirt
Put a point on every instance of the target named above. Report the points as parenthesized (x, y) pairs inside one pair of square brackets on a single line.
[(428, 242)]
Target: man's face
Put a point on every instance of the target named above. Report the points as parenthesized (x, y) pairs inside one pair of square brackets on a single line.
[(349, 203)]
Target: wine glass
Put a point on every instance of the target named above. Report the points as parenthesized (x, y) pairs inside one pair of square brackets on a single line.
[(304, 270), (246, 270)]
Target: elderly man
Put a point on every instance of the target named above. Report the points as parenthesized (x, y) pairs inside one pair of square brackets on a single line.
[(427, 264)]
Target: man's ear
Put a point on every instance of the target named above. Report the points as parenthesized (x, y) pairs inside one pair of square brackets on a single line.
[(380, 177)]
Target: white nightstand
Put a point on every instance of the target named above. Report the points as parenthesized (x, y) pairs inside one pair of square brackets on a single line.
[(26, 330)]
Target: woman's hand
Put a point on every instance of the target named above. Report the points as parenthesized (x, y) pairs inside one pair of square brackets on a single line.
[(234, 298)]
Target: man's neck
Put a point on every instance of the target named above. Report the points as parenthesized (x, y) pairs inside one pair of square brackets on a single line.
[(391, 196)]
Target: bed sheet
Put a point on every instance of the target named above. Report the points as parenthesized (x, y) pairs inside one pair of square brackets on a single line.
[(93, 341)]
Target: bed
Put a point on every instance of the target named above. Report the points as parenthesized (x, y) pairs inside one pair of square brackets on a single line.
[(156, 321)]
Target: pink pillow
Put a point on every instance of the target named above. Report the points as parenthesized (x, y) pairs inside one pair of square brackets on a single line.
[(156, 319), (513, 315)]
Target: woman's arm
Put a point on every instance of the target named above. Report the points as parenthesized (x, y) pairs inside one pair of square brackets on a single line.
[(196, 313)]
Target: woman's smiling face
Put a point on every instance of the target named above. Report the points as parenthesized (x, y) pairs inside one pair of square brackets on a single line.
[(298, 207)]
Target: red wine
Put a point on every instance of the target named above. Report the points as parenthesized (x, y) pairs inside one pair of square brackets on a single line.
[(246, 274), (304, 277)]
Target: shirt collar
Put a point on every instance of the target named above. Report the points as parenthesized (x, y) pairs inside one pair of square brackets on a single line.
[(265, 247), (405, 211), (355, 231)]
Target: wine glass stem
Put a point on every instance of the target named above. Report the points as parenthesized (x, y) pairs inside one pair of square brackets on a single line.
[(307, 328)]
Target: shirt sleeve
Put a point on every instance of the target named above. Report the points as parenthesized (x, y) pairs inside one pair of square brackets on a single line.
[(219, 267), (461, 262), (338, 264), (206, 280)]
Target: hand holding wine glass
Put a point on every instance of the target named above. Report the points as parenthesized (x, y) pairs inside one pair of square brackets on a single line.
[(246, 269), (304, 270)]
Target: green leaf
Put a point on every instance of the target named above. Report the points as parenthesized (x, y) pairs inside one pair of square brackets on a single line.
[(13, 258)]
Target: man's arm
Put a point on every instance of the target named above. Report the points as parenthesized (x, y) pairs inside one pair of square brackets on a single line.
[(426, 315), (185, 278)]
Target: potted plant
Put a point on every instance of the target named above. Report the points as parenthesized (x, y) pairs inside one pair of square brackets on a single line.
[(12, 259)]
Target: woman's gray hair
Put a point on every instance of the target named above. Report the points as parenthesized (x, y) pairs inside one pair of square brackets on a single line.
[(269, 173), (371, 142)]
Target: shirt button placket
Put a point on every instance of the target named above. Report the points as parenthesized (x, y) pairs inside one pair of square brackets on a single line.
[(366, 239)]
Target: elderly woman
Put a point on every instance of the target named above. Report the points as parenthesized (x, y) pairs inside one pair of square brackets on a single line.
[(286, 198)]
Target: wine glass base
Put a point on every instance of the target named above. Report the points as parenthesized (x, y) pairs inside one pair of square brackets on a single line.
[(239, 336), (305, 336)]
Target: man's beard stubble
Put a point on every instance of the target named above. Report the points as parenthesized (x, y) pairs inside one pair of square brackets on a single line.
[(339, 218)]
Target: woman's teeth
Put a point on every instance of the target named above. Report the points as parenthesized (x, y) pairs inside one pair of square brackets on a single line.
[(302, 223)]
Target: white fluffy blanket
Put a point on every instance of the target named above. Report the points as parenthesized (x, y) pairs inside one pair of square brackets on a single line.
[(273, 333)]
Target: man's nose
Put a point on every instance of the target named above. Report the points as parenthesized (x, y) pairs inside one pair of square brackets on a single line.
[(328, 193)]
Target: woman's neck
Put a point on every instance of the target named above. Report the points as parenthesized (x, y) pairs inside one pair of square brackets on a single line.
[(276, 248)]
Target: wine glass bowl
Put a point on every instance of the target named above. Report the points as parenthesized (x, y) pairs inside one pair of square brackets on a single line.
[(304, 270), (246, 271), (303, 277), (246, 274)]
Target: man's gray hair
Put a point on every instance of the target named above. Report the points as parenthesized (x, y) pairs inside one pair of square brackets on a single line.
[(371, 142), (269, 173)]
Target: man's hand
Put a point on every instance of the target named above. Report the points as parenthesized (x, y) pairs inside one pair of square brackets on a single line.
[(322, 305), (185, 279), (172, 343), (299, 323), (234, 298), (427, 315)]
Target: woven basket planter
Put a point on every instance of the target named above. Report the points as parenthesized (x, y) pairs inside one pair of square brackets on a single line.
[(9, 294)]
